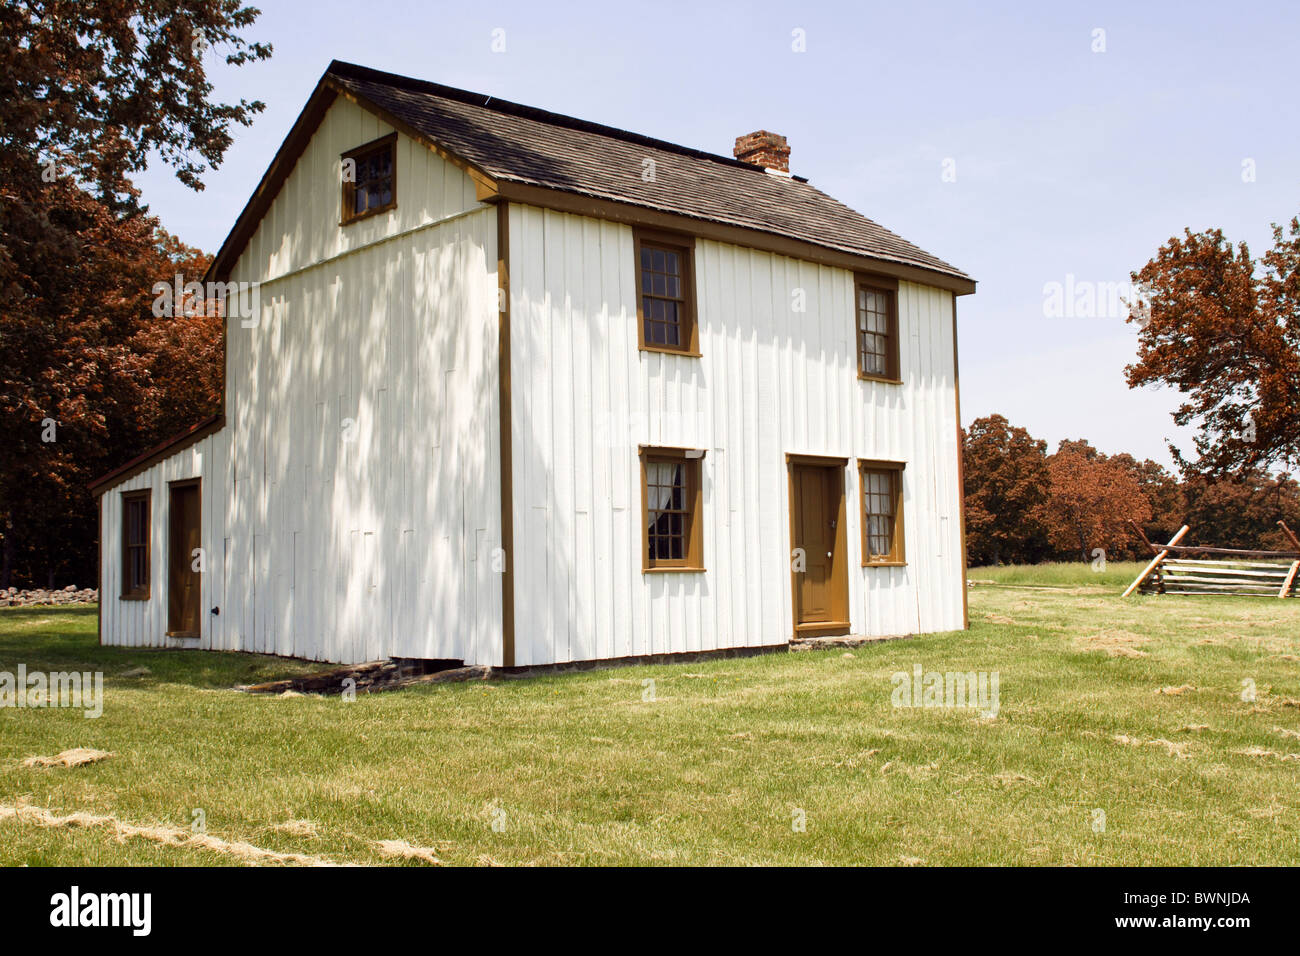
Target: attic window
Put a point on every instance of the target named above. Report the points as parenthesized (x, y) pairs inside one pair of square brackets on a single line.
[(665, 302), (369, 179)]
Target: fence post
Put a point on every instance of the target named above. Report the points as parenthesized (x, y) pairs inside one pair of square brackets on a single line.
[(1155, 562)]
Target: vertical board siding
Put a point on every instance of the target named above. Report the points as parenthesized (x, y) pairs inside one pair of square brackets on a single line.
[(351, 505), (772, 381)]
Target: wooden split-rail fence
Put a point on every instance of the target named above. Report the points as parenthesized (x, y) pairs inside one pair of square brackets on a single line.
[(1192, 569)]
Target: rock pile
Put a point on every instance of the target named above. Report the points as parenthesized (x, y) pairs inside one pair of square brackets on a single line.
[(12, 597)]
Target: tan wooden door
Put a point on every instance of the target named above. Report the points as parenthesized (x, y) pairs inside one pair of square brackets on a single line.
[(183, 579), (821, 588)]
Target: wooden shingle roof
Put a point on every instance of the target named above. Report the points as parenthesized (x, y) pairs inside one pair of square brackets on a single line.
[(507, 143)]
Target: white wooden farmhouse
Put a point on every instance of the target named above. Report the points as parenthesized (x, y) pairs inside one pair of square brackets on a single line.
[(521, 389)]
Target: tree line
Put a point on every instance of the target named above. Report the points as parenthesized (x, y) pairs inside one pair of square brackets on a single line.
[(1024, 505)]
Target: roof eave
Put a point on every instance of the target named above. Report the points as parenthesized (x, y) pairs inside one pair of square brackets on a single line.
[(146, 460), (614, 210)]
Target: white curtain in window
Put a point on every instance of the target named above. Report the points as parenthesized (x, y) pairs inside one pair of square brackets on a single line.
[(659, 480)]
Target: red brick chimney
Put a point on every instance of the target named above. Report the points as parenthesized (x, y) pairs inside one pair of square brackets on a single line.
[(769, 150)]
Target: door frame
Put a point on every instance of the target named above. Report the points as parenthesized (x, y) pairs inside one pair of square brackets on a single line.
[(840, 564), (172, 486)]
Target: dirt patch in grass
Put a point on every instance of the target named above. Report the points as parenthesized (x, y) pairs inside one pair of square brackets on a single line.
[(1115, 642), (76, 757)]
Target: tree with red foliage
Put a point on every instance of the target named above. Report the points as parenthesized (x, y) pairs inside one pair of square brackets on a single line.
[(1224, 329), (1165, 495), (91, 377), (1242, 511), (1092, 500), (1007, 481), (89, 91)]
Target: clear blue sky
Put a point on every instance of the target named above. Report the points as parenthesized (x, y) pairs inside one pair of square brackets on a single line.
[(1067, 161)]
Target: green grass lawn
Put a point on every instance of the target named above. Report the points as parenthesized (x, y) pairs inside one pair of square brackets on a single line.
[(580, 769)]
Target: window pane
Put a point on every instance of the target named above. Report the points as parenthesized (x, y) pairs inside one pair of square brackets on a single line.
[(874, 345), (879, 488), (668, 510), (663, 295)]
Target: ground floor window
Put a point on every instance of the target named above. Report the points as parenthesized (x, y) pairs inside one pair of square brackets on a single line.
[(882, 512), (671, 512), (135, 544)]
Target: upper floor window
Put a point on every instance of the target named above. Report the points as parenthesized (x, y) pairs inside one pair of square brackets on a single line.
[(370, 178), (671, 491), (135, 544), (877, 318), (666, 293), (882, 512)]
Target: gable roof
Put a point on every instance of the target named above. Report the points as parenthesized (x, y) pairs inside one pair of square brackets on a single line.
[(503, 144)]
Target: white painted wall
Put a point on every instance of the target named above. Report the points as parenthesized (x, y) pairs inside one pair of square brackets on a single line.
[(144, 623), (770, 382), (337, 541)]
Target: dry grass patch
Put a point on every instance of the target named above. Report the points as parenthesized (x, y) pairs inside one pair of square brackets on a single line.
[(297, 828), (1115, 642), (76, 757), (1265, 752), (1008, 778), (400, 849), (165, 835)]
